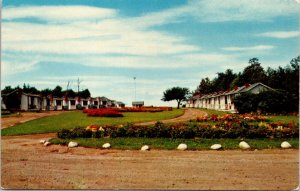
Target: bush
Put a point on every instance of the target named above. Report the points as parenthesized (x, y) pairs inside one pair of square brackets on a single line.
[(270, 101), (245, 103)]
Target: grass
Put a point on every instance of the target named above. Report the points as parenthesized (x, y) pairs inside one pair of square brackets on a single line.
[(70, 120), (284, 118), (214, 112), (169, 144)]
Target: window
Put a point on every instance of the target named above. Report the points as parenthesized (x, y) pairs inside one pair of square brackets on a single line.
[(85, 102), (95, 102), (58, 102), (72, 102)]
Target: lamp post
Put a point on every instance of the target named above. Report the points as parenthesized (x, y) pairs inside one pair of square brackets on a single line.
[(134, 78)]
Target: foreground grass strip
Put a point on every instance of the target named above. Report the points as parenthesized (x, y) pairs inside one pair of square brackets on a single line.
[(284, 118), (169, 144), (69, 120)]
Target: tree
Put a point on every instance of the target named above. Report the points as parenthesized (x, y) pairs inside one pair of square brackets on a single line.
[(57, 91), (28, 89), (223, 81), (205, 86), (69, 93), (7, 90), (85, 93), (176, 93), (46, 92), (253, 73)]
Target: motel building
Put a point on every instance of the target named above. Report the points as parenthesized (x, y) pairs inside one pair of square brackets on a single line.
[(223, 100), (20, 101)]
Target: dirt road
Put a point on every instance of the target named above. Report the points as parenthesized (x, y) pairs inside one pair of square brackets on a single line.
[(26, 164)]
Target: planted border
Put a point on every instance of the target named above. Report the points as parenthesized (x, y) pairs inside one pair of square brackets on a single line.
[(241, 129)]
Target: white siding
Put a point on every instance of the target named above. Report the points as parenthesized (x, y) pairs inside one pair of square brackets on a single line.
[(24, 102)]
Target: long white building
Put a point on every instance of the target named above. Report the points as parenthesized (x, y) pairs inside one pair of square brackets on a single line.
[(223, 100), (26, 102)]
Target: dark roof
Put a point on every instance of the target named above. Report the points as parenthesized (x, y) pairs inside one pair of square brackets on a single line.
[(250, 87), (236, 90), (138, 103)]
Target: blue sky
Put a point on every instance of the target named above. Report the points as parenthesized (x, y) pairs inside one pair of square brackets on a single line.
[(163, 43)]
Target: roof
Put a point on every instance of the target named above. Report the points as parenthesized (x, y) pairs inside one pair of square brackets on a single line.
[(21, 90), (255, 85), (138, 103), (241, 89), (104, 98), (236, 90), (195, 97)]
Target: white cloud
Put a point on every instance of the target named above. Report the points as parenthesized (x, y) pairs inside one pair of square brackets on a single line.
[(88, 38), (280, 34), (58, 13), (242, 10), (17, 67), (222, 11), (248, 48)]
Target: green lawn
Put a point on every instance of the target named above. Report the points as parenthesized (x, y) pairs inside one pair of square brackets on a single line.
[(168, 144), (284, 118), (214, 112), (70, 120)]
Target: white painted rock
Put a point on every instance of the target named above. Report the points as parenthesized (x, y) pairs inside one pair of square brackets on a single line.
[(244, 145), (106, 146), (47, 143), (216, 146), (145, 148), (285, 145), (72, 144), (182, 147), (42, 141)]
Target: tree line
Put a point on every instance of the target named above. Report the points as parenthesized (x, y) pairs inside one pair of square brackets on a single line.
[(283, 78), (56, 92)]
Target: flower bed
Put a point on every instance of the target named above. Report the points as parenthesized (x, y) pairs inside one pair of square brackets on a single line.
[(242, 129), (105, 112), (144, 109), (232, 117)]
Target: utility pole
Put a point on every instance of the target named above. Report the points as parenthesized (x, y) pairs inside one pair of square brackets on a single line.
[(68, 85), (134, 88), (78, 84)]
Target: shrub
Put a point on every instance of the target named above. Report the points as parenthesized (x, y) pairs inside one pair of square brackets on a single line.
[(270, 101)]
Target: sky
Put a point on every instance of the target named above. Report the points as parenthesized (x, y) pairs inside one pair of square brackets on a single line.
[(163, 43)]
